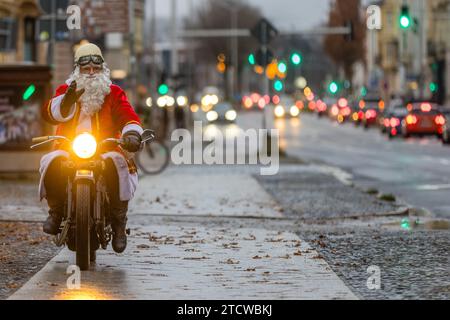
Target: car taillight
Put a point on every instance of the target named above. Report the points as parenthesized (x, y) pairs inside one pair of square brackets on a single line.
[(425, 107), (361, 115), (342, 102), (395, 122), (370, 114), (334, 110), (346, 111), (440, 120), (411, 119)]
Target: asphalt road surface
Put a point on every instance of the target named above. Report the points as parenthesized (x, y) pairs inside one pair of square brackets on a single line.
[(416, 170)]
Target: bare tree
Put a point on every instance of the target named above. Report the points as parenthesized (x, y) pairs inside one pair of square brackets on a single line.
[(343, 52)]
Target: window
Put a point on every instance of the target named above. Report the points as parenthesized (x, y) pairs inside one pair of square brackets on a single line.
[(30, 39), (8, 34)]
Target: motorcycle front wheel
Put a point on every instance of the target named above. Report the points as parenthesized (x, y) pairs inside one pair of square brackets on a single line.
[(83, 213)]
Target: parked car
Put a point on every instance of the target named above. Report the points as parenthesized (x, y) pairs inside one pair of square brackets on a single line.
[(423, 118)]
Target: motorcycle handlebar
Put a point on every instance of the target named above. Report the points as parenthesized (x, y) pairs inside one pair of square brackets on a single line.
[(40, 139)]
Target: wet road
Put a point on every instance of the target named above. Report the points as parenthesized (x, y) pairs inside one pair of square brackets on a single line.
[(416, 170)]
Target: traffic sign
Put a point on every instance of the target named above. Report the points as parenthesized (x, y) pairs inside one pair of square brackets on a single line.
[(264, 31), (263, 59)]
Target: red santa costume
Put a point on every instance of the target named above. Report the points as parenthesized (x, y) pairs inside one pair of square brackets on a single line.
[(104, 111)]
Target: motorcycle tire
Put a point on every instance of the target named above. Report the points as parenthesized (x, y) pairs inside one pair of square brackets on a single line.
[(83, 213)]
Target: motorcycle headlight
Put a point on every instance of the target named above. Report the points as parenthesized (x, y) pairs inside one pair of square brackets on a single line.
[(84, 146)]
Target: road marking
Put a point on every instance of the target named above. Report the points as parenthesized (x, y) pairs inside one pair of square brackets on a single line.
[(433, 187)]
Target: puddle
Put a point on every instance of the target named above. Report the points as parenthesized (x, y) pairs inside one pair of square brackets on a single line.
[(417, 224)]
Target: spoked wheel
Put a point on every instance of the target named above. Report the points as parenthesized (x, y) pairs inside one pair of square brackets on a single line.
[(83, 213), (154, 158)]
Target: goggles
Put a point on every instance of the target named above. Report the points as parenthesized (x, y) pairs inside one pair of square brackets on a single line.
[(85, 60)]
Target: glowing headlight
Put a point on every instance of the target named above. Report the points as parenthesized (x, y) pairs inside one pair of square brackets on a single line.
[(294, 111), (279, 111), (212, 116), (231, 115), (84, 146)]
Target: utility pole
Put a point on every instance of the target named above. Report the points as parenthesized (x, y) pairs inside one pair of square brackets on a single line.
[(174, 54), (153, 80), (235, 54), (132, 75), (53, 31)]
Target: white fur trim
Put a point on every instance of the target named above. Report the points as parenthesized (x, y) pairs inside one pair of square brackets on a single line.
[(127, 182), (132, 127), (56, 110), (45, 163)]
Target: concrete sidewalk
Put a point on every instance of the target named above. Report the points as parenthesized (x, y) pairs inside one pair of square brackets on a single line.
[(202, 262)]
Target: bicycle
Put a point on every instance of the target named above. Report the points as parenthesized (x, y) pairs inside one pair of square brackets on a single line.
[(154, 157)]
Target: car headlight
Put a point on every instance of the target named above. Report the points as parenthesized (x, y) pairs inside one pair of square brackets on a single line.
[(294, 111), (231, 115), (212, 116), (279, 111), (84, 146)]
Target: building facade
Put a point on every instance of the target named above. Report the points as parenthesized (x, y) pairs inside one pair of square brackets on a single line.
[(411, 62)]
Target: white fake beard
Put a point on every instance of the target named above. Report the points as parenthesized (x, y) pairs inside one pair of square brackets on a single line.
[(96, 87)]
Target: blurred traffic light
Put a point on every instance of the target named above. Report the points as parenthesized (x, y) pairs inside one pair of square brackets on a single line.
[(296, 58), (405, 18), (221, 66), (278, 85), (163, 89), (251, 59), (30, 90), (433, 87), (333, 87), (282, 67), (363, 91)]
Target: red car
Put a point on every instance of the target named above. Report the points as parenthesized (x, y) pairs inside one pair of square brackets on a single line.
[(423, 119)]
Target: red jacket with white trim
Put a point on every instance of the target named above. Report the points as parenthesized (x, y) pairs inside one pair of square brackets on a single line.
[(116, 116)]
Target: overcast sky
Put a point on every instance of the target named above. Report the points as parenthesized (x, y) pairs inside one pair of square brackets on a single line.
[(285, 14)]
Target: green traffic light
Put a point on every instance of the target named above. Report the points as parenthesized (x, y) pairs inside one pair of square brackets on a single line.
[(296, 58), (405, 22), (405, 18), (278, 85), (282, 67), (29, 92), (433, 87), (333, 87), (251, 59), (163, 89), (363, 91)]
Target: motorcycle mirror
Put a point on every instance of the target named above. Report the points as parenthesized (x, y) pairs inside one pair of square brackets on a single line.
[(148, 135)]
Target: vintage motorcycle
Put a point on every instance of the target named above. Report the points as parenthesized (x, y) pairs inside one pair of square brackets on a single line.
[(86, 213)]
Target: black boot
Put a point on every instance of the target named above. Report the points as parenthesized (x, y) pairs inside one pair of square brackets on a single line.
[(55, 184), (53, 222), (119, 223)]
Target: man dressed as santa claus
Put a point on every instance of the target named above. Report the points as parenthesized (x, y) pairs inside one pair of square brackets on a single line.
[(89, 102)]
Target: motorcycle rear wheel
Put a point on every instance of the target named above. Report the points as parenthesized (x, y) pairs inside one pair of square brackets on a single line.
[(83, 213)]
